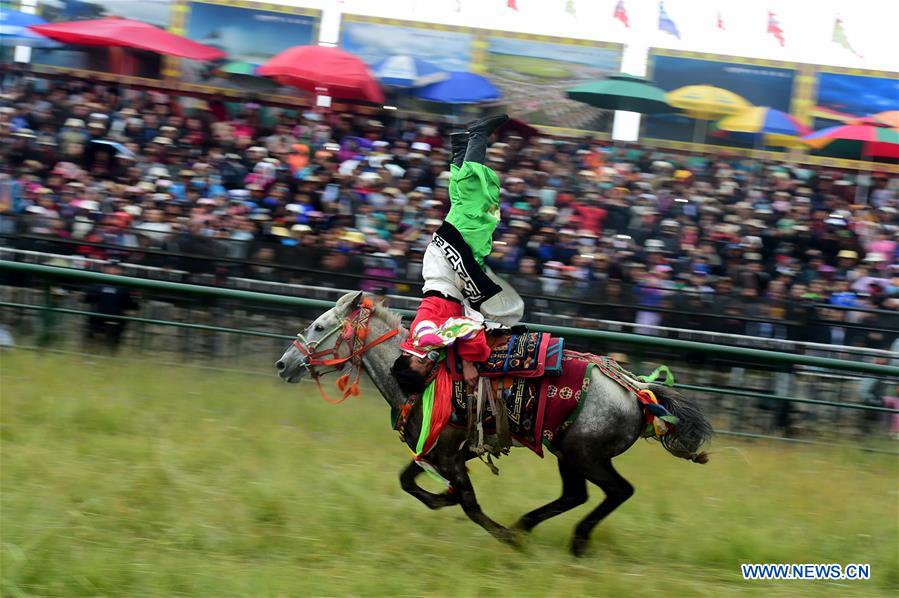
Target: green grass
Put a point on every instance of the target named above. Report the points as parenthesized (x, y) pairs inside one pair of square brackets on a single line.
[(526, 65), (124, 478)]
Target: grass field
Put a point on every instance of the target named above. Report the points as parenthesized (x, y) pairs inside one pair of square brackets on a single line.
[(127, 479)]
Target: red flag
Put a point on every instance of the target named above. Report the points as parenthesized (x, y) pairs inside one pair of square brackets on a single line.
[(513, 4), (720, 21), (774, 28), (621, 14)]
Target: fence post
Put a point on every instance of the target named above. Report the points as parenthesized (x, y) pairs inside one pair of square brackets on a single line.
[(43, 338)]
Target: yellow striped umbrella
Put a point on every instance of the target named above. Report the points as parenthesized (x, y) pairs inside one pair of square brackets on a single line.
[(707, 102)]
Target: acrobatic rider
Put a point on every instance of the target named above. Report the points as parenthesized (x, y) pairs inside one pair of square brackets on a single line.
[(460, 291)]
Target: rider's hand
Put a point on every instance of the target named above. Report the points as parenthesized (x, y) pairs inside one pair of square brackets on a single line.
[(470, 373)]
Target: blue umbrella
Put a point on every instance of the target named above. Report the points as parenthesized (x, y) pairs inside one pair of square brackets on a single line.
[(401, 70), (460, 88), (120, 150), (14, 30)]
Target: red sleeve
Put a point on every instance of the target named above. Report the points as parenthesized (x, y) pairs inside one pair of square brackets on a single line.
[(474, 349)]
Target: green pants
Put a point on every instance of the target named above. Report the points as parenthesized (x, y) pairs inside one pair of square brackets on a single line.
[(474, 206)]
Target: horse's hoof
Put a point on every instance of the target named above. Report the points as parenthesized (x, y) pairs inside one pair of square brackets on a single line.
[(579, 546), (513, 537)]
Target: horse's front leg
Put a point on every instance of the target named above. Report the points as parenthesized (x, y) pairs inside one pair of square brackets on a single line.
[(463, 488), (431, 500)]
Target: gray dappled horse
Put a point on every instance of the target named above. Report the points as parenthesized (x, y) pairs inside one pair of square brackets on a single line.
[(609, 422)]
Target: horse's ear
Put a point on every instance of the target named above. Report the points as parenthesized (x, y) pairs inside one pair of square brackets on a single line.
[(349, 301)]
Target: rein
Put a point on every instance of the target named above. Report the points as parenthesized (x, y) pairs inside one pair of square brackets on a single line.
[(353, 334)]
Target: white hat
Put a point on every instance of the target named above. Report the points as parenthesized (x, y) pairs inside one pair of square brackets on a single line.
[(421, 146)]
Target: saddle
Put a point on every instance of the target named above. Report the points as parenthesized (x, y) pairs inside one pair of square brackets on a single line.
[(518, 354), (510, 399)]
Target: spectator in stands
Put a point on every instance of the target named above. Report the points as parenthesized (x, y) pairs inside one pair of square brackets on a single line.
[(579, 217)]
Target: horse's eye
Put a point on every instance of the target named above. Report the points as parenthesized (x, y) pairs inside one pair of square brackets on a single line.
[(319, 327)]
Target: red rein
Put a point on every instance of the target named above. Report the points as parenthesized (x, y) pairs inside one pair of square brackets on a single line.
[(355, 333)]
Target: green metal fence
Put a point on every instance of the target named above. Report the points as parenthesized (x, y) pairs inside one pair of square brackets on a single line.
[(758, 355), (48, 273)]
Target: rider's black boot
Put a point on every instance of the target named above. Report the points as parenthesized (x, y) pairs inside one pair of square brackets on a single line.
[(458, 143), (479, 136)]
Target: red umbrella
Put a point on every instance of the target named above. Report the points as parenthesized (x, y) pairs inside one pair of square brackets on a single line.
[(337, 73), (867, 140), (127, 33)]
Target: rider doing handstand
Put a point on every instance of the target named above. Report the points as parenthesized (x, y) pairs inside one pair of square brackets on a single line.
[(460, 291)]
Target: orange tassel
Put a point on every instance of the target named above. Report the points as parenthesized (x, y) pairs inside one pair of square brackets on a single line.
[(354, 389), (343, 381)]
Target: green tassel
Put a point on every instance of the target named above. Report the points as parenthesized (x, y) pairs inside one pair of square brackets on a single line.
[(427, 405), (656, 374)]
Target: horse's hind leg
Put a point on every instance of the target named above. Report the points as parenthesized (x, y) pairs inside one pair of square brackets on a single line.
[(617, 491), (431, 500), (463, 488), (574, 493)]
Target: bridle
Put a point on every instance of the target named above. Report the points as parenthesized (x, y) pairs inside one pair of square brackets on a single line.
[(353, 332)]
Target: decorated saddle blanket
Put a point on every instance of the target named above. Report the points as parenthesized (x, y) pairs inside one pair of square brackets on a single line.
[(538, 409), (525, 355)]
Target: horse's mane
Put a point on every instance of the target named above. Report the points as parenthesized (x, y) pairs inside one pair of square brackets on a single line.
[(392, 318)]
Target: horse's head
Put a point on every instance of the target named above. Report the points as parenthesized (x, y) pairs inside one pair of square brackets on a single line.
[(320, 338)]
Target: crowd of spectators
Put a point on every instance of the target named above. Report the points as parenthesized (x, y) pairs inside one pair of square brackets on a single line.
[(330, 194)]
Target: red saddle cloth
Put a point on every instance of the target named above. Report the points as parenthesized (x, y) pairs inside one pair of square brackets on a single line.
[(527, 355), (539, 409)]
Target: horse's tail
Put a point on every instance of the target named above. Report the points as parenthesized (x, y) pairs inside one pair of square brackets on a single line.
[(692, 430)]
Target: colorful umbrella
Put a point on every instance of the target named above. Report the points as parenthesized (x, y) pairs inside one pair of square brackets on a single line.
[(764, 120), (407, 71), (706, 102), (866, 141), (14, 30), (889, 118), (460, 88), (333, 71), (127, 33), (622, 92)]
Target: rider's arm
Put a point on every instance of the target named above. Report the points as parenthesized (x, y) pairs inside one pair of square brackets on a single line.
[(474, 349)]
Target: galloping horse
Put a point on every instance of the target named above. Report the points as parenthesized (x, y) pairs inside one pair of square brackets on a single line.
[(608, 423)]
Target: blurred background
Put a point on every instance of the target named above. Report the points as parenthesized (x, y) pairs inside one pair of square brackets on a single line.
[(185, 184)]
